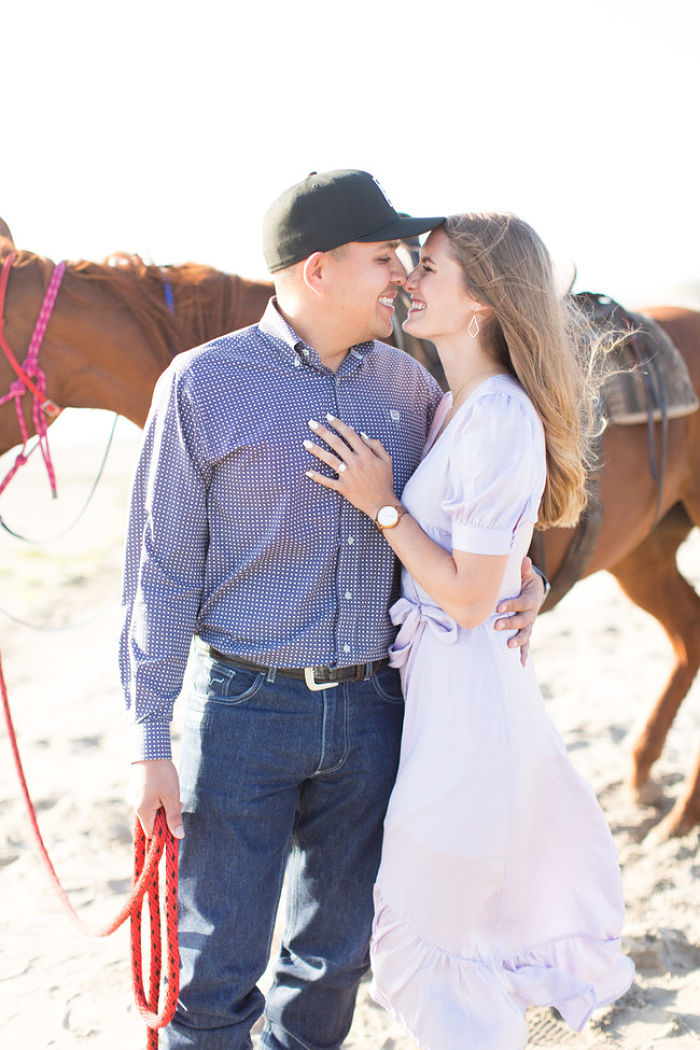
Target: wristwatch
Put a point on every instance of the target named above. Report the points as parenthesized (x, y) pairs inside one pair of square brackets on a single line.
[(388, 516), (545, 581)]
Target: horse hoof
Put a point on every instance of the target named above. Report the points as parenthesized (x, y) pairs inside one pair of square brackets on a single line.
[(647, 794), (676, 824), (658, 835)]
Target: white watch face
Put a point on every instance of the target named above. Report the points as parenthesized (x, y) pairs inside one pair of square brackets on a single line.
[(387, 516)]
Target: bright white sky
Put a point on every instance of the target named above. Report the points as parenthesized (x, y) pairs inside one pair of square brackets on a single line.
[(166, 128)]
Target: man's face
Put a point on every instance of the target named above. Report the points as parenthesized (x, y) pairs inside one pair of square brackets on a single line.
[(361, 281)]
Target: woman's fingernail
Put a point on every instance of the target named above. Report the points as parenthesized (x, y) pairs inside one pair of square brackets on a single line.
[(309, 473), (313, 424), (308, 444), (362, 434), (330, 418)]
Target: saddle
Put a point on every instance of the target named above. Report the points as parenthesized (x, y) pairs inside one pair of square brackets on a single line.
[(648, 380)]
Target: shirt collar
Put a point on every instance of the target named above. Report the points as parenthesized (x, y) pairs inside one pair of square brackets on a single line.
[(298, 352)]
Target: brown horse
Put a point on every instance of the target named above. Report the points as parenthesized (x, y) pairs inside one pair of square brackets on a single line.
[(112, 334)]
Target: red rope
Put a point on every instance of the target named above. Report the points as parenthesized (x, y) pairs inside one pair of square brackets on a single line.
[(145, 884)]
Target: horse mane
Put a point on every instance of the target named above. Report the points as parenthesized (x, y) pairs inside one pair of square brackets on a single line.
[(207, 302)]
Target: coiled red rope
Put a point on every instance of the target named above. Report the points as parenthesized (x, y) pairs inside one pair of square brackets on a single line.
[(145, 884)]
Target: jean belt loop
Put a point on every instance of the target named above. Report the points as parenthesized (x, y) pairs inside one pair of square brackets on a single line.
[(271, 674), (369, 670)]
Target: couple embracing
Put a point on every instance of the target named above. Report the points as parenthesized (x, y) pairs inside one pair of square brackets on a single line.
[(408, 783)]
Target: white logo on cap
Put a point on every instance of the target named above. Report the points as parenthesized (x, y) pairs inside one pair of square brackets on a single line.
[(383, 191)]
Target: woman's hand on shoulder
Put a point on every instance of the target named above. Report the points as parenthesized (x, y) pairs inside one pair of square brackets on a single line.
[(362, 466)]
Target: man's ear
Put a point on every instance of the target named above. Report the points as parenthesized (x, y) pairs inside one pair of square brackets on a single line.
[(313, 271)]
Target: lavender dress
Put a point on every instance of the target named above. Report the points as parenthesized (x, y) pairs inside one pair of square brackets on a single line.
[(499, 884)]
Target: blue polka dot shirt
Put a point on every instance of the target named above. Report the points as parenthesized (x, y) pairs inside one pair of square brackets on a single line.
[(229, 540)]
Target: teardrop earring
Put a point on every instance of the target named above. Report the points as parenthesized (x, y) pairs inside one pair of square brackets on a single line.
[(473, 328)]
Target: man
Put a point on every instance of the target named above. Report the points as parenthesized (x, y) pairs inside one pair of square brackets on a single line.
[(293, 720)]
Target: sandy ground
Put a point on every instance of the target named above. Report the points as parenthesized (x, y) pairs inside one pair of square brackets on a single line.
[(601, 663)]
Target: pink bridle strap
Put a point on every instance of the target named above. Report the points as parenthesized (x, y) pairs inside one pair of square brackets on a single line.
[(30, 377)]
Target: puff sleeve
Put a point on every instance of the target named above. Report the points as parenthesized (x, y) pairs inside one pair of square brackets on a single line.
[(497, 472)]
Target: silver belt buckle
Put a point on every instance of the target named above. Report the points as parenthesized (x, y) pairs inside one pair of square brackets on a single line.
[(313, 685)]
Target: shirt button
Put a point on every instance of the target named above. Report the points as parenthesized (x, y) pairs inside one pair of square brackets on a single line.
[(348, 594), (351, 539), (346, 648), (297, 362)]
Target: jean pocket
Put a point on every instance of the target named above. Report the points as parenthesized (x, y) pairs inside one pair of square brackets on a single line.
[(222, 683), (387, 685)]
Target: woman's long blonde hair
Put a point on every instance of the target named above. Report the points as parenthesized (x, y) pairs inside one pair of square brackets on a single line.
[(542, 338)]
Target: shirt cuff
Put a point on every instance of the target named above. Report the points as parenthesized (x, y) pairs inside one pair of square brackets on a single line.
[(150, 740), (474, 540)]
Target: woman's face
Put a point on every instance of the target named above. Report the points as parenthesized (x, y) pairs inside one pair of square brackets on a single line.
[(440, 303)]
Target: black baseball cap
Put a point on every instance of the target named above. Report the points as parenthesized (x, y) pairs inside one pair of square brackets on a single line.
[(331, 208)]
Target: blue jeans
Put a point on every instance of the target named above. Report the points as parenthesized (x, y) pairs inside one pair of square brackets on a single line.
[(276, 777)]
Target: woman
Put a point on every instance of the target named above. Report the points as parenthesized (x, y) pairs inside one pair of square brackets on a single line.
[(499, 885)]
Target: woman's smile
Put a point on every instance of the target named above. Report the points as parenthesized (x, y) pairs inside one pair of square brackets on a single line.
[(416, 306)]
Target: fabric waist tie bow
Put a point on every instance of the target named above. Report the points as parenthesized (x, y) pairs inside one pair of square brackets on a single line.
[(412, 618)]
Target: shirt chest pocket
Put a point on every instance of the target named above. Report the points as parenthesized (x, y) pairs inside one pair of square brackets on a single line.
[(402, 432)]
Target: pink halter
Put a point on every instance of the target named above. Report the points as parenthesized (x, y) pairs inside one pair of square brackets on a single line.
[(30, 377)]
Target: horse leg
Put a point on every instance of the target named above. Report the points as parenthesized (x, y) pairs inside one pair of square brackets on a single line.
[(685, 814), (649, 576)]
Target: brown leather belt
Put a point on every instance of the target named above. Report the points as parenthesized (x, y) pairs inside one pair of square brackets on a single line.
[(315, 677)]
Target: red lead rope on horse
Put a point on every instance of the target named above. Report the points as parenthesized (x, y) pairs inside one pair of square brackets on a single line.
[(30, 376), (146, 883)]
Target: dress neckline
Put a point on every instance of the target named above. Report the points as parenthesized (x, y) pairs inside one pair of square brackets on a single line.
[(436, 431)]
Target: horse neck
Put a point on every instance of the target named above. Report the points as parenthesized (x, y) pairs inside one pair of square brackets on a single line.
[(128, 333), (112, 334), (212, 305)]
